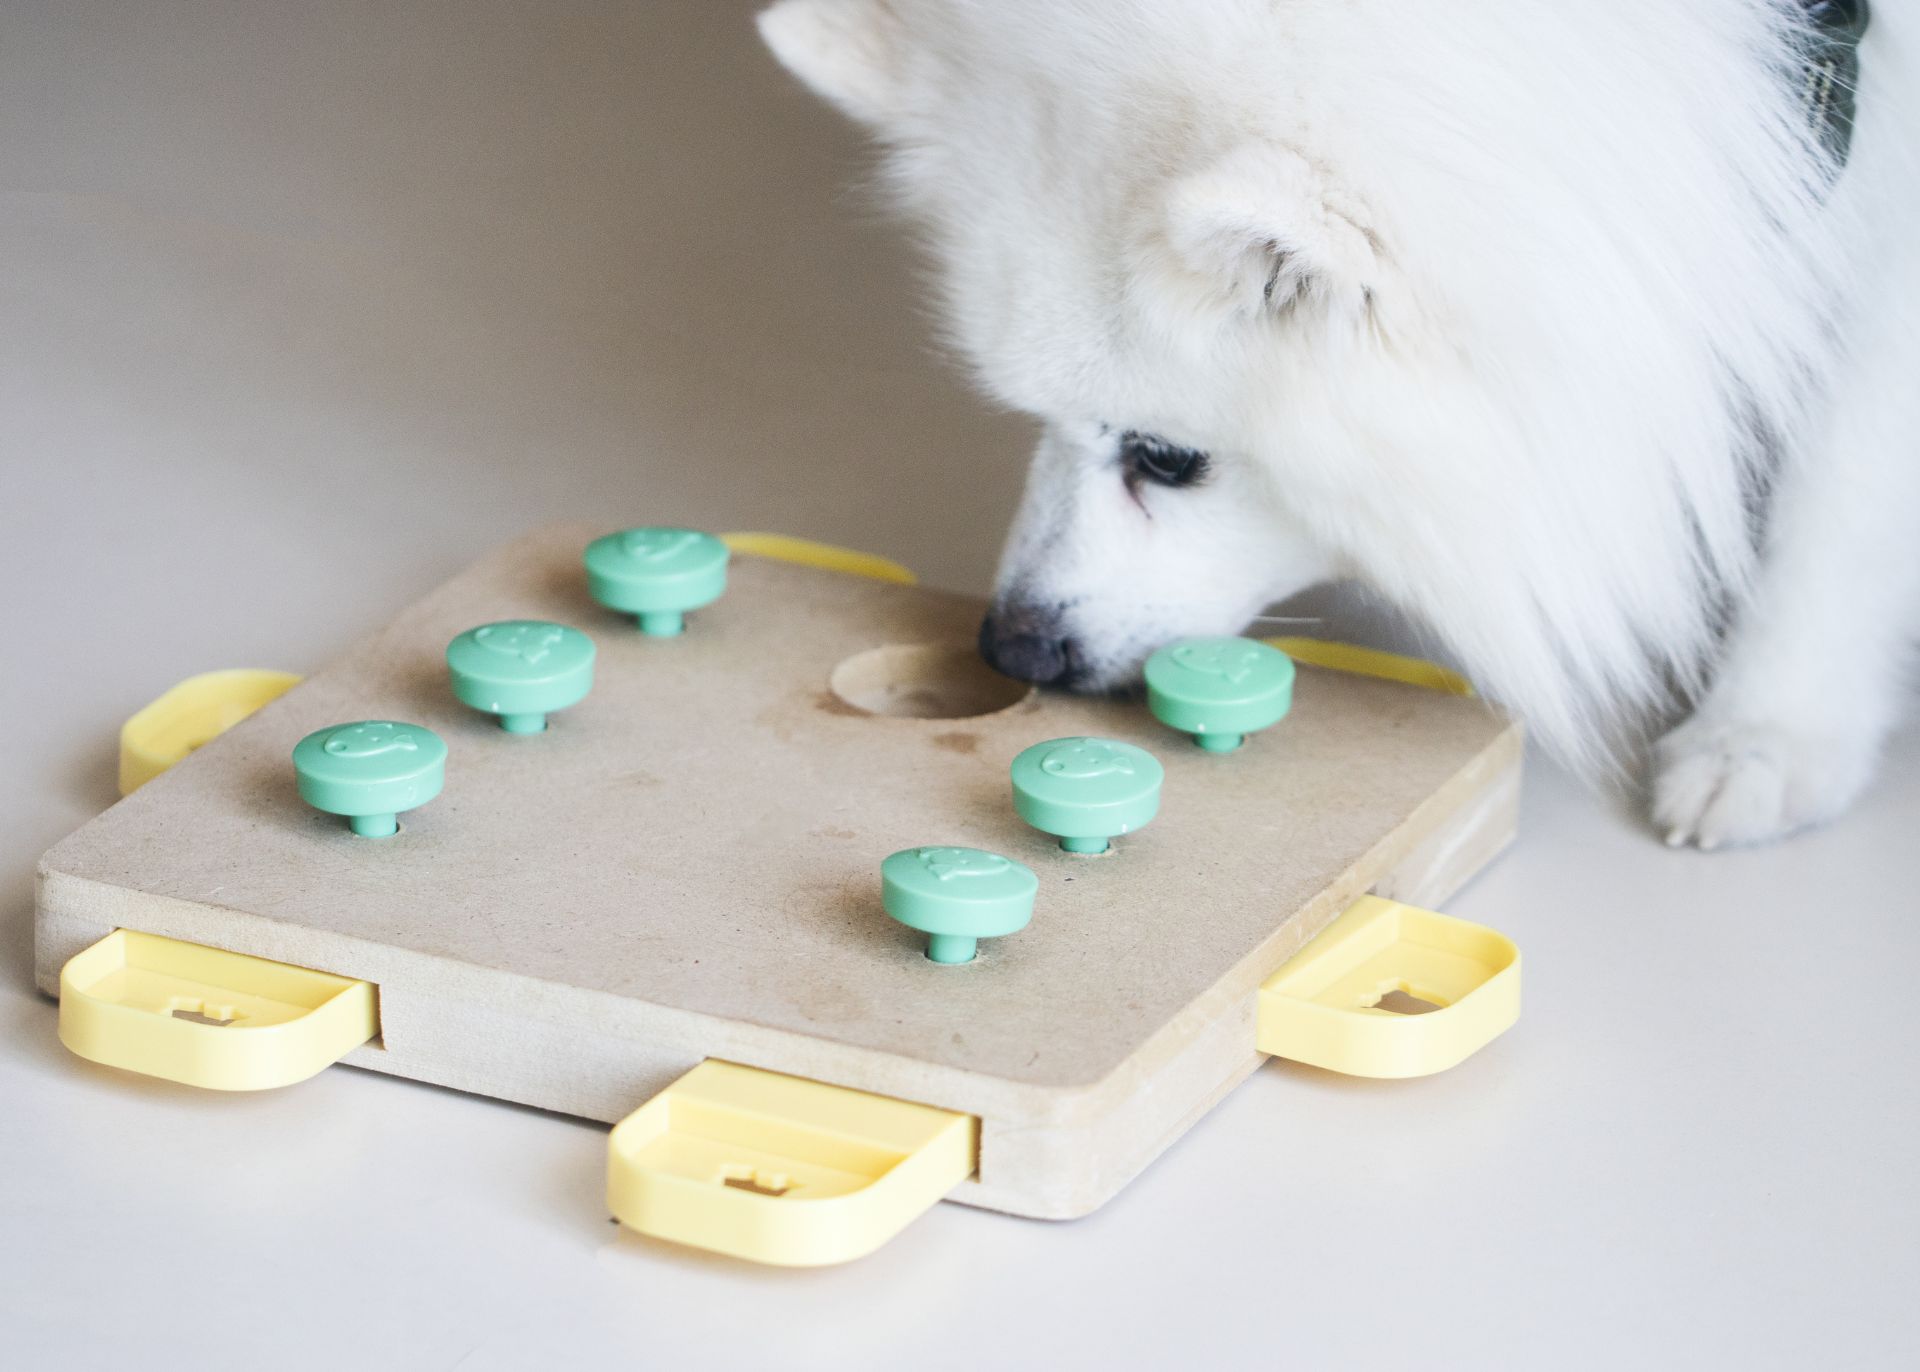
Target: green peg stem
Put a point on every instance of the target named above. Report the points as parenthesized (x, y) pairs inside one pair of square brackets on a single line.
[(524, 724), (1085, 845), (951, 948), (661, 623), (374, 826), (1219, 743)]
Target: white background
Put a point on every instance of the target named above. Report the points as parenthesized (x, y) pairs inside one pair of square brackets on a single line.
[(305, 304)]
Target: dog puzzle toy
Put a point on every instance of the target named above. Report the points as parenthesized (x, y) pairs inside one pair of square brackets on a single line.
[(957, 896), (1219, 689), (370, 772), (1086, 791), (713, 840), (657, 575), (521, 670)]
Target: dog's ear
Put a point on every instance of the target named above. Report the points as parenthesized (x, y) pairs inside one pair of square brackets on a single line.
[(848, 51), (1263, 227)]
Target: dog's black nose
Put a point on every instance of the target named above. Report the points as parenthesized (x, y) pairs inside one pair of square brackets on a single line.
[(1025, 642)]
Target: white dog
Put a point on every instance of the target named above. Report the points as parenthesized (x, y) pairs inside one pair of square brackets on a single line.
[(1575, 329)]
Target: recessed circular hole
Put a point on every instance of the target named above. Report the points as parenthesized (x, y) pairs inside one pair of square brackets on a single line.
[(924, 681)]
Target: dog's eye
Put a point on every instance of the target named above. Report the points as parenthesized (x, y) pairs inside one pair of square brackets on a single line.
[(1145, 457)]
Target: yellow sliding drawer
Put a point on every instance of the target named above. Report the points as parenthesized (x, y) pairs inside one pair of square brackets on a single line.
[(166, 1008), (782, 1170), (1391, 990)]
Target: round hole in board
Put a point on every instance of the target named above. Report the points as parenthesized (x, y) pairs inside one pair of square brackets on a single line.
[(924, 681)]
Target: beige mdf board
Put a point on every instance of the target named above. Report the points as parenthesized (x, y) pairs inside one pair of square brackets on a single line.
[(685, 866)]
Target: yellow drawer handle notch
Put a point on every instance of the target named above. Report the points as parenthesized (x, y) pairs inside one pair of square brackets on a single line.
[(1391, 990), (782, 1170), (206, 1017)]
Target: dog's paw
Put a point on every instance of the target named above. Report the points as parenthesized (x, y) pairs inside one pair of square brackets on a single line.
[(1719, 784)]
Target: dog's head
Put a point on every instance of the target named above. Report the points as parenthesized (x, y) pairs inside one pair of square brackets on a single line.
[(1157, 274), (1493, 308)]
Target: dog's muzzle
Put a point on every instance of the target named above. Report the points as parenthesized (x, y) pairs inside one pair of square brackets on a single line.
[(1026, 642)]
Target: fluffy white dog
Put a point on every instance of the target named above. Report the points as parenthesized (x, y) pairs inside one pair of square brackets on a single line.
[(1577, 330)]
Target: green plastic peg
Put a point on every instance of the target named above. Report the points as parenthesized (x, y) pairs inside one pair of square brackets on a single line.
[(1086, 791), (957, 896), (370, 772), (657, 575), (521, 670), (1219, 689)]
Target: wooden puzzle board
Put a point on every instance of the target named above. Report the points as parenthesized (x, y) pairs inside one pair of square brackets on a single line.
[(686, 866)]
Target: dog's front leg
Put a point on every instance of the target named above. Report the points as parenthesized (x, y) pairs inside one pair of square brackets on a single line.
[(1813, 676)]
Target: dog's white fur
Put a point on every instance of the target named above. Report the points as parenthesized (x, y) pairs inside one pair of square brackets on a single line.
[(1508, 310)]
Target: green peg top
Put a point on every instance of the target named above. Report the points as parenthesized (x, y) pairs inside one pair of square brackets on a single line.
[(370, 771), (1085, 791), (957, 896), (521, 670), (657, 575), (1219, 689)]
